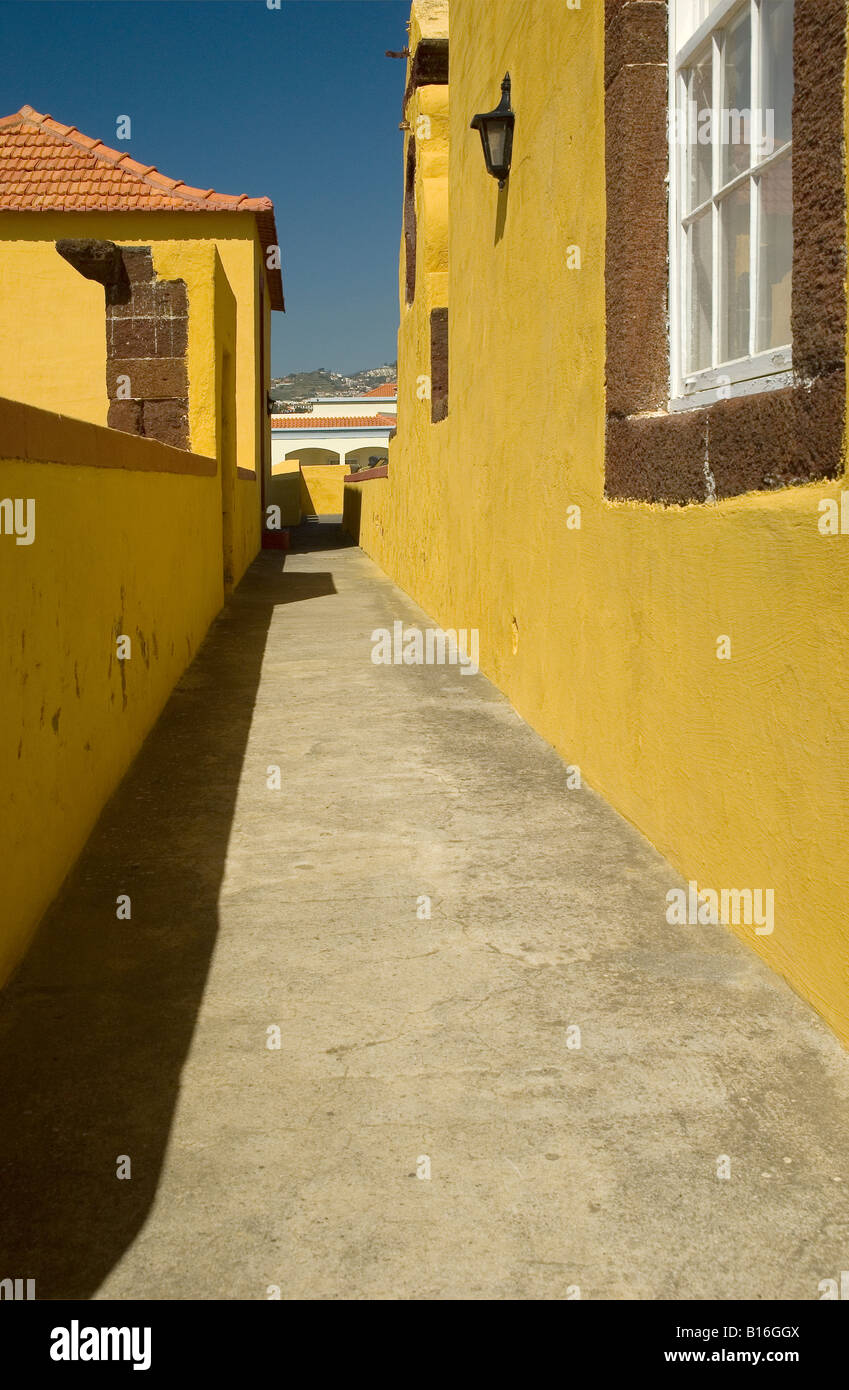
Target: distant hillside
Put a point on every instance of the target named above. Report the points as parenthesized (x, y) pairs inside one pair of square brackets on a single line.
[(300, 386)]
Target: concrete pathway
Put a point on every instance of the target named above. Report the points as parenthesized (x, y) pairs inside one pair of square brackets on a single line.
[(408, 1045)]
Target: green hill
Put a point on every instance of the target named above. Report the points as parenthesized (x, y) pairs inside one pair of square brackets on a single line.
[(300, 386)]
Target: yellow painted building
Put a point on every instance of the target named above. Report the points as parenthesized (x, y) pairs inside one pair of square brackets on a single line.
[(661, 585), (128, 300), (306, 489), (285, 491), (322, 489)]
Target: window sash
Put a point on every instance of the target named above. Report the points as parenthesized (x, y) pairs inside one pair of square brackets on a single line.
[(771, 367)]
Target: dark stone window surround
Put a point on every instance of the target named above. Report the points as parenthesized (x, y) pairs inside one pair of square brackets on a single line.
[(748, 443), (438, 365), (410, 222), (146, 339)]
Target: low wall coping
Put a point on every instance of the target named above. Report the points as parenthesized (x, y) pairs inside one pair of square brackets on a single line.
[(382, 471), (42, 436)]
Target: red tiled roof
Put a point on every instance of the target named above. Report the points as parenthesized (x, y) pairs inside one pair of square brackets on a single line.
[(331, 422), (49, 167), (389, 388)]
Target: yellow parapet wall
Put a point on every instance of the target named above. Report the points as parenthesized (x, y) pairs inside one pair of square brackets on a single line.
[(125, 542), (53, 333), (322, 489), (602, 621), (284, 490)]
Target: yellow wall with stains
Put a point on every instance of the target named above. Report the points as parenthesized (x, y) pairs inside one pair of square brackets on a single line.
[(117, 551), (605, 637)]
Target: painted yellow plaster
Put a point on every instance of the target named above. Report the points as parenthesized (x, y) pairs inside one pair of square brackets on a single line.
[(736, 770), (144, 554), (429, 20), (285, 490), (115, 552), (52, 332), (322, 489)]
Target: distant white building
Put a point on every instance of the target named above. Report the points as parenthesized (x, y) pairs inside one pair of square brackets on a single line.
[(338, 429)]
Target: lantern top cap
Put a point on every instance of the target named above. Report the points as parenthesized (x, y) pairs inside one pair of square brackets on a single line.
[(502, 107)]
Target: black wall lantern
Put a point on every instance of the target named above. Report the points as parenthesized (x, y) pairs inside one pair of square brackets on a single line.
[(496, 128)]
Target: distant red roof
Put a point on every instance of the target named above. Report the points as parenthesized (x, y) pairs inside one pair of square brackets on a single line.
[(331, 422), (389, 388), (49, 167)]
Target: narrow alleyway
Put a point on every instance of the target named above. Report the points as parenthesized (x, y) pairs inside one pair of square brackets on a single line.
[(405, 1042)]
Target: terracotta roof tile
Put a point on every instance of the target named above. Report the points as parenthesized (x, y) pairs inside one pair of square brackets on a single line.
[(389, 388), (134, 167), (48, 166), (331, 422)]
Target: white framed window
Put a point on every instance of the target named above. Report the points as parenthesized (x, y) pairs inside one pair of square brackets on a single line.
[(730, 198)]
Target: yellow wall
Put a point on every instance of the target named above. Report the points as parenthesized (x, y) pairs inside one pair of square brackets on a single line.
[(46, 307), (428, 20), (322, 488), (241, 492), (285, 490), (53, 323), (735, 770), (115, 552)]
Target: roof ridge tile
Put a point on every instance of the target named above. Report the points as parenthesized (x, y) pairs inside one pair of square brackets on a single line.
[(102, 180)]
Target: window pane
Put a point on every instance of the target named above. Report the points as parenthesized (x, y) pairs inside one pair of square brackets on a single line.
[(777, 29), (734, 215), (776, 256), (735, 125), (689, 14), (699, 276), (697, 128)]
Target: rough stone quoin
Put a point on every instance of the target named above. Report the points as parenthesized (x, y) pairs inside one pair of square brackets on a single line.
[(146, 339)]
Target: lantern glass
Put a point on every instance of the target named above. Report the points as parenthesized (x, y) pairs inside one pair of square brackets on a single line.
[(496, 137)]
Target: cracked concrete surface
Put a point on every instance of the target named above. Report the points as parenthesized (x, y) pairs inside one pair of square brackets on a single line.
[(553, 1168)]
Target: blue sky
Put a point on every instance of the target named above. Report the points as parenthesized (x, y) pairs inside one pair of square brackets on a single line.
[(298, 103)]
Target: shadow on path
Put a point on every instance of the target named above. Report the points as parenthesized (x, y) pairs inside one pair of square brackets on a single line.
[(95, 1026), (319, 533)]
